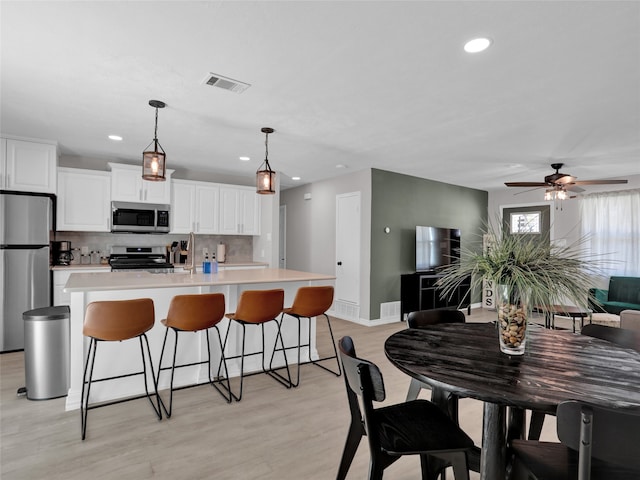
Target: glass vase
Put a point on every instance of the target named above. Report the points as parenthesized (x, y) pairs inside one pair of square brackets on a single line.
[(514, 308)]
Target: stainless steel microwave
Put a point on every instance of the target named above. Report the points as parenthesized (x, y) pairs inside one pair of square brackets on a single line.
[(139, 217)]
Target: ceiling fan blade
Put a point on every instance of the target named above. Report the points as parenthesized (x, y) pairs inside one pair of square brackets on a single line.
[(573, 188), (525, 184), (599, 182), (529, 190)]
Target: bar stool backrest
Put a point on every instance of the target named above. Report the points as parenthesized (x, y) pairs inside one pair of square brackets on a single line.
[(259, 306), (195, 312), (311, 301), (118, 319)]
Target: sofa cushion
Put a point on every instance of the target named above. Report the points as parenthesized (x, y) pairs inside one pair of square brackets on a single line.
[(625, 290)]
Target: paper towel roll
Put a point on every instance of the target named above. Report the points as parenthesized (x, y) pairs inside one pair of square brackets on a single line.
[(220, 253)]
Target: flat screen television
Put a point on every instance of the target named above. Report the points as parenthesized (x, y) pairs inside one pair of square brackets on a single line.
[(436, 248)]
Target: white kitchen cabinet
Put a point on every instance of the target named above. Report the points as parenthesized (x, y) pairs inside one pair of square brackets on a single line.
[(60, 278), (195, 207), (127, 185), (83, 202), (239, 211), (28, 166)]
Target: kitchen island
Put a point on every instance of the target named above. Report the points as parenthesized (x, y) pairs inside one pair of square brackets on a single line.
[(123, 357)]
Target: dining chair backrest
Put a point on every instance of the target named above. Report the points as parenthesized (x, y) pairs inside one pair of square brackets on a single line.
[(424, 318), (362, 377), (610, 435), (620, 336)]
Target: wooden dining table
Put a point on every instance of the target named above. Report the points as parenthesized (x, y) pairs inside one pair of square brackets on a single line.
[(465, 358)]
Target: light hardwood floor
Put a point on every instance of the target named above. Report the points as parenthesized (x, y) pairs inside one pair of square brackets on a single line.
[(273, 433)]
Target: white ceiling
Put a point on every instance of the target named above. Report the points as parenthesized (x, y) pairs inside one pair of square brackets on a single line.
[(381, 84)]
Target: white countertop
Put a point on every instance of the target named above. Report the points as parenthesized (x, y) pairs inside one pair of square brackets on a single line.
[(96, 266), (103, 281)]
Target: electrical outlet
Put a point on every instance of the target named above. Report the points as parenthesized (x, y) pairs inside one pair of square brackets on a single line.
[(205, 252)]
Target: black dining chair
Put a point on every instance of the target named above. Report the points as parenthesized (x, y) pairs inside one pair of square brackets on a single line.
[(418, 427), (424, 319), (596, 444), (620, 336)]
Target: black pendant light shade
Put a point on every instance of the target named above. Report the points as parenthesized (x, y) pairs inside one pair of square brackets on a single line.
[(154, 161), (265, 177)]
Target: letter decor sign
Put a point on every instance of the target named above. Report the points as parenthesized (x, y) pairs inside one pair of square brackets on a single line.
[(488, 297)]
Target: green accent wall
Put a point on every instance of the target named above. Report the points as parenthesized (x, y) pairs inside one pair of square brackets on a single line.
[(401, 202)]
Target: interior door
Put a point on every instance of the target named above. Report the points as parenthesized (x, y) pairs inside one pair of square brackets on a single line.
[(282, 245), (530, 220), (348, 247)]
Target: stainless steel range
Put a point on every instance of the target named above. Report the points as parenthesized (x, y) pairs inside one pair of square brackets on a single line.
[(131, 259)]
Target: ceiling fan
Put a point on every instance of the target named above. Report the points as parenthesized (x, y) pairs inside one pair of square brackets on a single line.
[(562, 182)]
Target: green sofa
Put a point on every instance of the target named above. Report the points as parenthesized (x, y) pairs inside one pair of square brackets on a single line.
[(623, 294)]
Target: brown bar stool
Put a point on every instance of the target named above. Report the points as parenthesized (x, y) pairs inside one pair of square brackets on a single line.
[(193, 313), (311, 302), (114, 321), (257, 307)]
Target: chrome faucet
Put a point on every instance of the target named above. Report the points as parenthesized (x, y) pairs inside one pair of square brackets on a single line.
[(191, 254)]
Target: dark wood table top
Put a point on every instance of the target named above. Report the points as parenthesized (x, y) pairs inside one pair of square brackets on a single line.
[(465, 358), (566, 309)]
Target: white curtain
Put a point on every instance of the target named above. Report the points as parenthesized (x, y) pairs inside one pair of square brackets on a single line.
[(611, 222)]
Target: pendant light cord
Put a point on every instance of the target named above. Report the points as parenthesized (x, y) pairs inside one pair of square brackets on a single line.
[(266, 147), (155, 132)]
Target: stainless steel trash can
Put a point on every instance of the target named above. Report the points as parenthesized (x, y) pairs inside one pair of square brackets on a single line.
[(46, 352)]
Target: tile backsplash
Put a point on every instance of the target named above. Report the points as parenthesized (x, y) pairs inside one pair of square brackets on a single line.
[(239, 248)]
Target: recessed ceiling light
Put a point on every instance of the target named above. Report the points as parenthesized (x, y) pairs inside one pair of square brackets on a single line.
[(341, 166), (116, 138), (244, 159), (477, 45), (295, 178)]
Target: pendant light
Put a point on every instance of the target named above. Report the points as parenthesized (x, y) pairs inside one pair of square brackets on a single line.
[(154, 161), (266, 178)]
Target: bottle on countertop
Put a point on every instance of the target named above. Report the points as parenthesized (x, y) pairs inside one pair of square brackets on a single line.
[(214, 267), (206, 265)]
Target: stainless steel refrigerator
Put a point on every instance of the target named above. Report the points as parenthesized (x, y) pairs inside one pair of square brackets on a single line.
[(25, 278)]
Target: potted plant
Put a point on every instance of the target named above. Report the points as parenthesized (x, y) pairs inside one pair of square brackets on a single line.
[(527, 271)]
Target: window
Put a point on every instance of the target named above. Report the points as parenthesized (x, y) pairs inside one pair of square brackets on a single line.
[(611, 223), (525, 222)]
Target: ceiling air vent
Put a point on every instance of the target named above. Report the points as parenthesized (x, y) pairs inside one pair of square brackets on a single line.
[(216, 80)]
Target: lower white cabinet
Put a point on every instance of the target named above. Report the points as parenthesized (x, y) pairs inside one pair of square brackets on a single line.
[(83, 202), (60, 278)]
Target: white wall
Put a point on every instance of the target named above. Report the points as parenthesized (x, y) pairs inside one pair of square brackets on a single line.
[(565, 221), (311, 227)]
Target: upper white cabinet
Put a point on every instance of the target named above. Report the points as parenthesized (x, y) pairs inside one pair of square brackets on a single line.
[(127, 185), (195, 207), (83, 202), (239, 211), (28, 166)]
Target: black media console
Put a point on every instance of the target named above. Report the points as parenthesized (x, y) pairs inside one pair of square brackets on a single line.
[(418, 292)]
